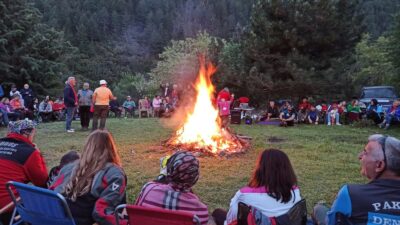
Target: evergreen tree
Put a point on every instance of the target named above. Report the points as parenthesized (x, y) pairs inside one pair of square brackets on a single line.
[(30, 52)]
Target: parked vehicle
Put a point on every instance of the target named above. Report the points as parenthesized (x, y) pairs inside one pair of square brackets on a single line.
[(384, 94)]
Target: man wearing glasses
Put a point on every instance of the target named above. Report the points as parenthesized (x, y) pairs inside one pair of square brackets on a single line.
[(377, 202)]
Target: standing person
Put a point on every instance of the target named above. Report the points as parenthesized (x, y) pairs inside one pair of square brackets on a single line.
[(101, 100), (224, 111), (157, 106), (27, 95), (20, 160), (70, 102), (95, 184), (85, 101)]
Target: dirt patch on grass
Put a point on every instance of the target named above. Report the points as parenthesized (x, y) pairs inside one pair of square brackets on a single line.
[(274, 139)]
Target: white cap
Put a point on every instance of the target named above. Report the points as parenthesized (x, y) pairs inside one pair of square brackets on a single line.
[(103, 82)]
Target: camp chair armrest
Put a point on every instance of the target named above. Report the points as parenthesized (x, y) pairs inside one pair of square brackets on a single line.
[(117, 210)]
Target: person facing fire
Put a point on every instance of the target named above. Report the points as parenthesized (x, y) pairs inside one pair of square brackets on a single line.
[(224, 106)]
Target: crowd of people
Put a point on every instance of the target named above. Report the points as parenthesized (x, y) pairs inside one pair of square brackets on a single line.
[(84, 104), (94, 182)]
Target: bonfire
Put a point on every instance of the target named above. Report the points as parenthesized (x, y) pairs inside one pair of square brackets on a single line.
[(201, 130)]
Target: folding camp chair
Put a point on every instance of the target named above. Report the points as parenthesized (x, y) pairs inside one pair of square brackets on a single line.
[(139, 215), (39, 206), (297, 215)]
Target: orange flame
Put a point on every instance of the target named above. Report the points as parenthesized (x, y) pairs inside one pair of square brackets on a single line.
[(202, 127)]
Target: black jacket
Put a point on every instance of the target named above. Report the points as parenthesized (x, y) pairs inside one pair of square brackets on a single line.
[(69, 96)]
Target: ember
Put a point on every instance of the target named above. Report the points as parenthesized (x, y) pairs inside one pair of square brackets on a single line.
[(201, 130)]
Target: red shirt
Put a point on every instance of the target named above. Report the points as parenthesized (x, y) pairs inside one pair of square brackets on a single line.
[(224, 94), (244, 100), (305, 105), (20, 161)]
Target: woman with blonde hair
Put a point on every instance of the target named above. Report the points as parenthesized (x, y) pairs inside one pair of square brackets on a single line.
[(95, 184)]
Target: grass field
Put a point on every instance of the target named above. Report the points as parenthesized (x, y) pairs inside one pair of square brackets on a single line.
[(324, 157)]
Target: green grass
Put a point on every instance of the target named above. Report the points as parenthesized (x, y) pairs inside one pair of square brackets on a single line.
[(324, 157)]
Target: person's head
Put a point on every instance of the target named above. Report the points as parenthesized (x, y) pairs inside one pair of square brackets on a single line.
[(71, 81), (274, 172), (103, 83), (223, 100), (167, 84), (36, 100), (26, 86), (380, 156), (16, 96), (24, 127), (85, 86), (175, 86), (304, 100), (13, 87), (182, 171), (272, 103), (146, 98), (157, 97), (99, 149), (226, 89), (5, 100), (289, 107), (312, 108), (374, 101), (343, 103), (396, 103), (354, 102), (69, 157), (128, 98), (47, 98)]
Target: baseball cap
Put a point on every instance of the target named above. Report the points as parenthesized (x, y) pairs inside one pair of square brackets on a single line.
[(103, 82)]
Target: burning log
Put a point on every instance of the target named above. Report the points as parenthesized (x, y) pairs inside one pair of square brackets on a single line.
[(202, 130)]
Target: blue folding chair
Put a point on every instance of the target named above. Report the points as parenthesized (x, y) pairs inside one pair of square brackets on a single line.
[(39, 206)]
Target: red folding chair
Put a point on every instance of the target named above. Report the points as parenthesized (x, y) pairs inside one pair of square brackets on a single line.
[(139, 215)]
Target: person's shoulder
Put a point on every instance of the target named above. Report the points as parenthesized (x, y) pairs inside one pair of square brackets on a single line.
[(253, 190)]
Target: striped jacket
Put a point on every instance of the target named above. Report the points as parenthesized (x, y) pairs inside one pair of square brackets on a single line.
[(157, 195)]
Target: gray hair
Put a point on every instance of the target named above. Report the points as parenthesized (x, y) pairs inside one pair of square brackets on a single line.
[(392, 151), (70, 78)]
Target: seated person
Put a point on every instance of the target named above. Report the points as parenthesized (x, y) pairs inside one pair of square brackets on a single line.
[(115, 107), (376, 202), (144, 106), (392, 115), (374, 111), (6, 112), (304, 108), (312, 116), (272, 189), (68, 158), (17, 106), (95, 184), (353, 110), (45, 110), (59, 108), (176, 194), (20, 160), (166, 107), (129, 106), (272, 111), (333, 116), (287, 117)]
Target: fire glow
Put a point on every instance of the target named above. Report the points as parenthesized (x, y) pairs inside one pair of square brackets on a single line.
[(201, 129)]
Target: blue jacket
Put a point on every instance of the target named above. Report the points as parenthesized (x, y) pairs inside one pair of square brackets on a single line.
[(397, 112), (69, 96)]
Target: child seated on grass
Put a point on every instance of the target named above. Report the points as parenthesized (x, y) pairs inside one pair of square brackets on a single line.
[(313, 116)]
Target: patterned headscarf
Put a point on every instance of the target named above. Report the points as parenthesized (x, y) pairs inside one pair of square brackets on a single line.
[(182, 171), (21, 126)]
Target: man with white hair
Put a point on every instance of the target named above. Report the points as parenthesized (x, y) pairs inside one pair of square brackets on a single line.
[(85, 101), (101, 100), (70, 101), (377, 202)]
